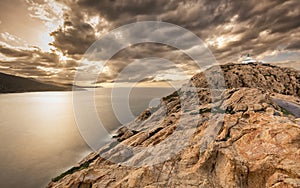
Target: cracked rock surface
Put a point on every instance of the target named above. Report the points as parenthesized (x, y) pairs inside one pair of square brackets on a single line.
[(246, 136)]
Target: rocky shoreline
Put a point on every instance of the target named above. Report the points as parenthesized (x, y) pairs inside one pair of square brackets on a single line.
[(246, 136)]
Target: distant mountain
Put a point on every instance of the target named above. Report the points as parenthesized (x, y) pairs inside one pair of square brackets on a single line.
[(15, 84)]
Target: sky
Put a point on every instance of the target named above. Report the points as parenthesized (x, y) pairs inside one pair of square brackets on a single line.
[(47, 39)]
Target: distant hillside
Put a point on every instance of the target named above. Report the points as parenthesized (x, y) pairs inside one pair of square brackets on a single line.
[(15, 84)]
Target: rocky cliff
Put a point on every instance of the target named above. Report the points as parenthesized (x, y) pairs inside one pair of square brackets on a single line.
[(248, 135)]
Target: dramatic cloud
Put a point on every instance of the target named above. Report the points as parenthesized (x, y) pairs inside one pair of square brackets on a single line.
[(224, 25), (268, 29), (32, 62), (73, 39)]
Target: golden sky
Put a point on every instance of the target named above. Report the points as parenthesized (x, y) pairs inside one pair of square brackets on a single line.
[(46, 39)]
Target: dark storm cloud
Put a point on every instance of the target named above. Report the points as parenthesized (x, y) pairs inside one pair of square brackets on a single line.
[(276, 18), (294, 45), (127, 9), (261, 26), (73, 38), (147, 50), (202, 17), (230, 28)]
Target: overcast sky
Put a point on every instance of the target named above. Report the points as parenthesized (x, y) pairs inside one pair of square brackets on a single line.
[(46, 39)]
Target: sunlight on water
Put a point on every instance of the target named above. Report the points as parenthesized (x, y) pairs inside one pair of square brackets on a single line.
[(39, 138)]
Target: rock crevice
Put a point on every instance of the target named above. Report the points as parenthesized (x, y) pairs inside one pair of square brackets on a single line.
[(247, 136)]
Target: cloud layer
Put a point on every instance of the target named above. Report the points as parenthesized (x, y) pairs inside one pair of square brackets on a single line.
[(265, 28)]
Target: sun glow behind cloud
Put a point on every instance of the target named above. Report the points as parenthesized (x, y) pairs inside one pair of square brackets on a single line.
[(47, 39), (51, 14), (222, 41), (49, 69)]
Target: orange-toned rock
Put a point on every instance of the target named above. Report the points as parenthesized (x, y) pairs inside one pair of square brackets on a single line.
[(248, 136)]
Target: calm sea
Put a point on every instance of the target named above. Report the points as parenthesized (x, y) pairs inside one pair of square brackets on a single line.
[(39, 138)]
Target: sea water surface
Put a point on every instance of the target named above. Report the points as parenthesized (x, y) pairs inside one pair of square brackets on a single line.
[(39, 138)]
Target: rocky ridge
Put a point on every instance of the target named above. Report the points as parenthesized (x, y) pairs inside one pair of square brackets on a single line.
[(246, 136)]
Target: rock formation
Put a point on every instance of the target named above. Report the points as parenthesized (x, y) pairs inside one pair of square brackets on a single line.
[(246, 136)]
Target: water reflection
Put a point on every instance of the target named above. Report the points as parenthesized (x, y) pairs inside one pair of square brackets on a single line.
[(39, 137)]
